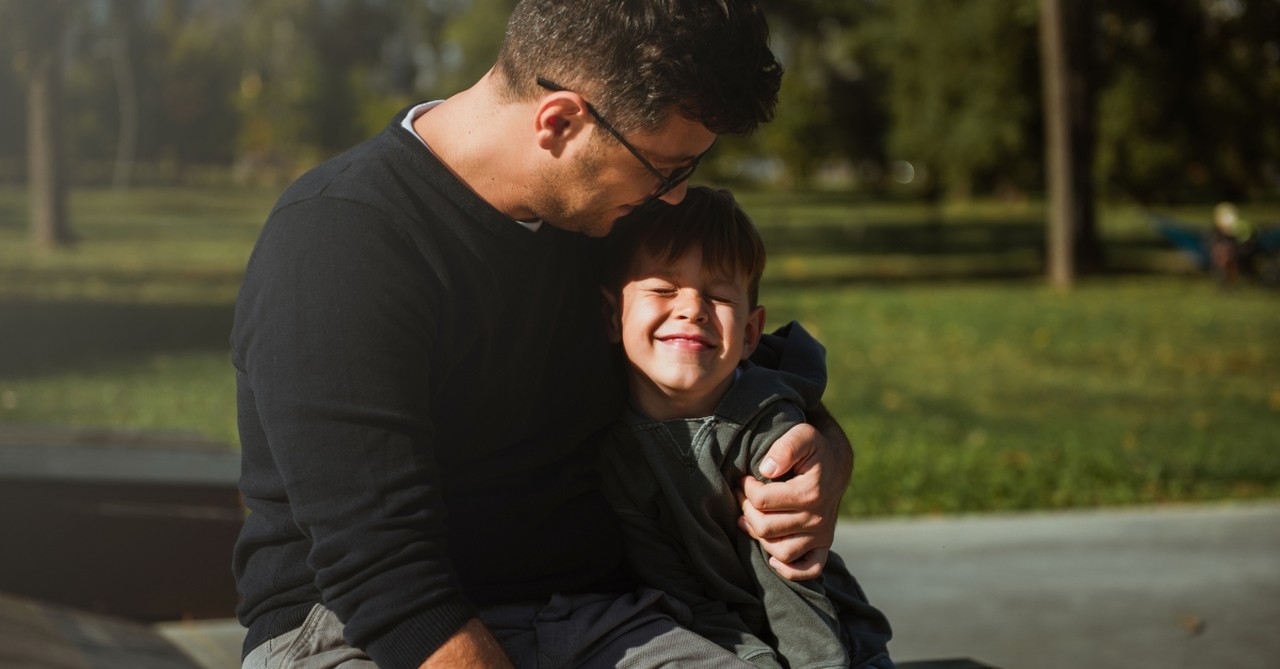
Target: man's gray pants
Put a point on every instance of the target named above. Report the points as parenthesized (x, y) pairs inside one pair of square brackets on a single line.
[(631, 631)]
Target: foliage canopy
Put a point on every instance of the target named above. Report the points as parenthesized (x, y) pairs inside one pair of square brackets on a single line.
[(1187, 90)]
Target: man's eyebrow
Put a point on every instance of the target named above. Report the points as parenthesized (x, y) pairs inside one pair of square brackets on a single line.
[(656, 155), (668, 159)]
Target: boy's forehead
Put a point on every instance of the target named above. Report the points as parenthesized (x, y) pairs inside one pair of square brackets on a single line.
[(645, 263)]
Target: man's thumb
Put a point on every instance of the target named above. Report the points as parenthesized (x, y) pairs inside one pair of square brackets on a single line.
[(786, 452)]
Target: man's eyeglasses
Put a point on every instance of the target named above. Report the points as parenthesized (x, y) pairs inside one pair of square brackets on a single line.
[(666, 183)]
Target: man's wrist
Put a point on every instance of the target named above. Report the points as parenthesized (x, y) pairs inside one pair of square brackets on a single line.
[(471, 646), (413, 638), (839, 448)]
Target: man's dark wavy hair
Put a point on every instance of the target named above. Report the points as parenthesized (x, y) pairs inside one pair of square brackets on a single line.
[(638, 60)]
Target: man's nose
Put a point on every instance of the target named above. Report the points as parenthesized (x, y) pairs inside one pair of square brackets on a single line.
[(675, 195)]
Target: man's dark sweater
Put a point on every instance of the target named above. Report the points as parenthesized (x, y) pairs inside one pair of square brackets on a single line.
[(418, 377)]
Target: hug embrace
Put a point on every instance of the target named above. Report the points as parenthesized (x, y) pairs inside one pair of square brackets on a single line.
[(480, 430)]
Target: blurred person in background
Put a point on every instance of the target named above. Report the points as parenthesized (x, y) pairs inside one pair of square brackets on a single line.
[(1231, 245)]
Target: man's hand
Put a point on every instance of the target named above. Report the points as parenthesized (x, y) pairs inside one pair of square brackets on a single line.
[(795, 519), (470, 646)]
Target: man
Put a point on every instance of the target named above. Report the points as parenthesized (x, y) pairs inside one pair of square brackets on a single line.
[(421, 363)]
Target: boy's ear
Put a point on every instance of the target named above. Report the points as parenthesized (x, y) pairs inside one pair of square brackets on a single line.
[(613, 316), (755, 328)]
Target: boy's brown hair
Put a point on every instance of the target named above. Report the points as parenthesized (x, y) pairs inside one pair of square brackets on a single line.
[(707, 218)]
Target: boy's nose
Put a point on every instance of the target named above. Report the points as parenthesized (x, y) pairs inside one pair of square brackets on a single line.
[(691, 306)]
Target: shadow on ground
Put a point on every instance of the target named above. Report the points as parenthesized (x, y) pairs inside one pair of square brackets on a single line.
[(50, 336), (926, 238), (922, 238), (45, 337), (923, 251)]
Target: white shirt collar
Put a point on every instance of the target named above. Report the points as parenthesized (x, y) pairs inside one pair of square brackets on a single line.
[(419, 110)]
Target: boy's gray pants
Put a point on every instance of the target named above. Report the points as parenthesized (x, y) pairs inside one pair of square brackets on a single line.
[(578, 631)]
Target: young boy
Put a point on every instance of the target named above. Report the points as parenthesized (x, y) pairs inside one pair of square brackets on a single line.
[(683, 304)]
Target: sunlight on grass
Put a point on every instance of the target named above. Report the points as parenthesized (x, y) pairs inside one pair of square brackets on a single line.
[(1009, 396), (153, 245), (964, 383)]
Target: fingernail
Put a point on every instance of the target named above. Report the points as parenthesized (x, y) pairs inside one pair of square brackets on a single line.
[(768, 468)]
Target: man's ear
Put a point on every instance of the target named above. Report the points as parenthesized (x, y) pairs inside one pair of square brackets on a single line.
[(560, 118), (755, 328), (613, 315)]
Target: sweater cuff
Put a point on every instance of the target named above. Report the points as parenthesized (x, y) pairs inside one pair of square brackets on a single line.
[(408, 644)]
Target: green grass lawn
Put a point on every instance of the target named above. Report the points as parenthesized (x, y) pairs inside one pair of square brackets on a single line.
[(965, 383), (1010, 396), (129, 327)]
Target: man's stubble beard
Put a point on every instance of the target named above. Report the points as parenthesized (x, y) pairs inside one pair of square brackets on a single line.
[(559, 206)]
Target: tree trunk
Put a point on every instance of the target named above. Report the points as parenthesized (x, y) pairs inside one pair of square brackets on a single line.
[(126, 95), (46, 179), (1066, 53), (1081, 51)]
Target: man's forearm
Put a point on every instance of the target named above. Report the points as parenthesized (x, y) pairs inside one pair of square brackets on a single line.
[(840, 448)]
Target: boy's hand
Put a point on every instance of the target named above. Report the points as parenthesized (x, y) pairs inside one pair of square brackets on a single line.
[(795, 520)]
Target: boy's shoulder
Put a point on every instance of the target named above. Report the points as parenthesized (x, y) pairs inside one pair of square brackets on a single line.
[(792, 349), (790, 361)]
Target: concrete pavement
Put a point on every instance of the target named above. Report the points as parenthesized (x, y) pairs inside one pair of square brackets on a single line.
[(1150, 588), (1157, 588)]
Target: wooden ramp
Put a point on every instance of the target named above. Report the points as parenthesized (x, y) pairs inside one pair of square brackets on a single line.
[(34, 635), (135, 524)]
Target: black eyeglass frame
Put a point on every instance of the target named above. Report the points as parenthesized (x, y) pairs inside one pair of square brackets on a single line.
[(666, 183)]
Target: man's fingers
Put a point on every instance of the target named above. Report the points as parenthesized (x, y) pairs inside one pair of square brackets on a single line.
[(794, 537), (789, 549), (807, 567), (776, 524), (797, 493)]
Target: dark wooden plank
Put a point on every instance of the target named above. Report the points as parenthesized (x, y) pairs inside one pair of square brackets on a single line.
[(142, 552), (36, 635), (128, 523)]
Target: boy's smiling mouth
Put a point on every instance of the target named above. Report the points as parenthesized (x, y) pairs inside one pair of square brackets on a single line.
[(690, 342)]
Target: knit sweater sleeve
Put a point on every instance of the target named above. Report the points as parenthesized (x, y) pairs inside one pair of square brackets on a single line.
[(335, 327)]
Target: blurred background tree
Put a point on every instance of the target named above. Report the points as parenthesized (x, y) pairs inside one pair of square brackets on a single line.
[(963, 91), (915, 98), (1190, 102), (35, 38), (831, 123)]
